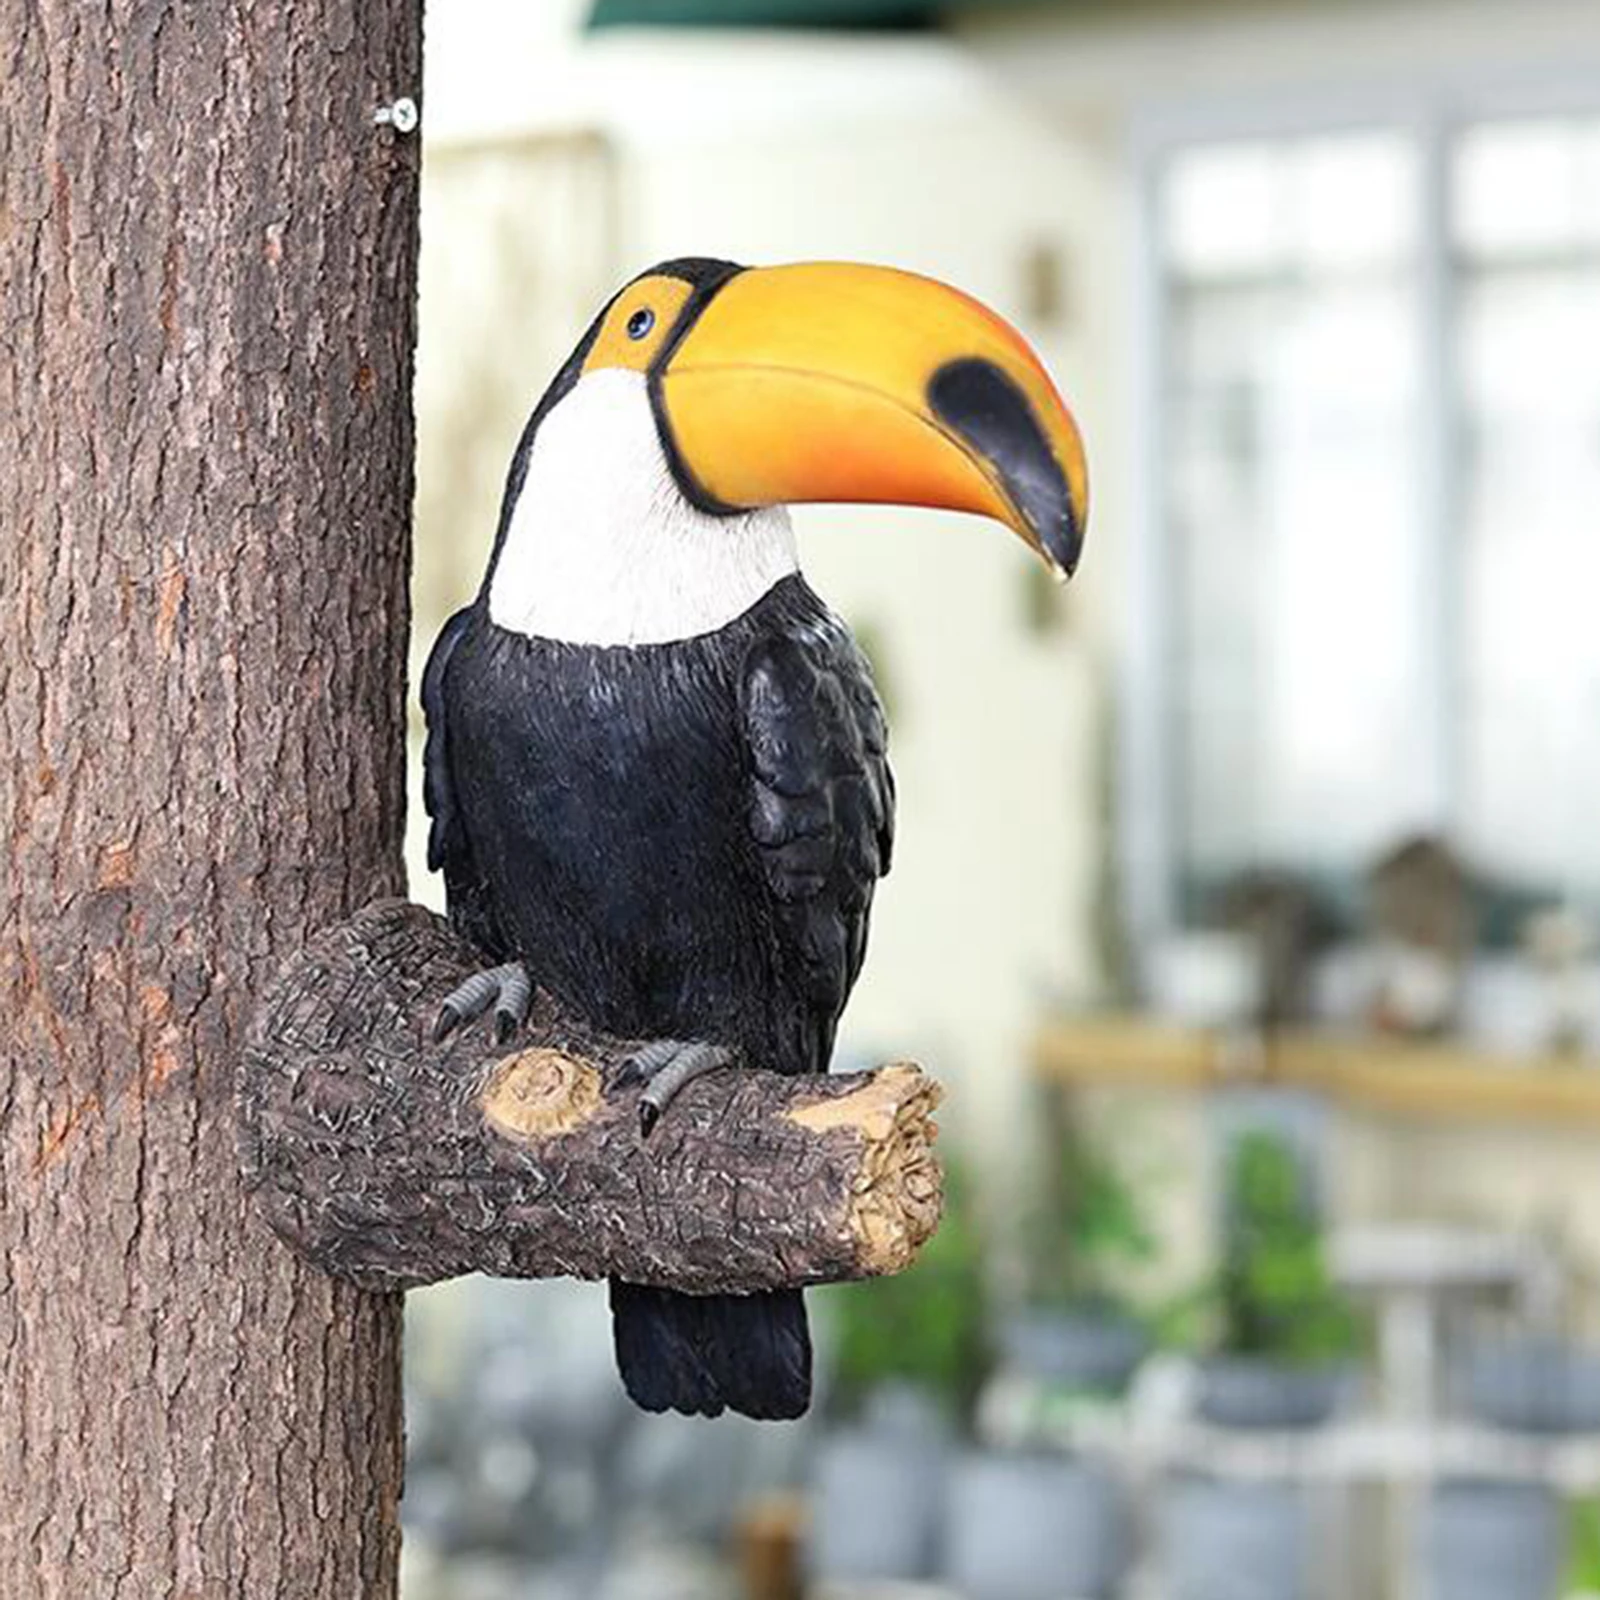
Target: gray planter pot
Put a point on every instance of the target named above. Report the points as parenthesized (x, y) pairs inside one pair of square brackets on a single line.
[(1229, 1540), (1034, 1527), (1095, 1350), (1249, 1392), (1495, 1541), (1534, 1384), (877, 1495)]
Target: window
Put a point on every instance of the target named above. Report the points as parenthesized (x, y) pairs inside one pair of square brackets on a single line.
[(1526, 226), (1378, 374)]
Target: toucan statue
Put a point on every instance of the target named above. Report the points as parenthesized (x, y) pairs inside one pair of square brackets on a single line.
[(656, 763)]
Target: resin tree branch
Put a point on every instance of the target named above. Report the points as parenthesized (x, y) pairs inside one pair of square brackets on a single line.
[(396, 1161)]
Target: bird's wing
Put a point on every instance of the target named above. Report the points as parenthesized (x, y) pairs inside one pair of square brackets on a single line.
[(822, 800), (449, 844), (446, 840)]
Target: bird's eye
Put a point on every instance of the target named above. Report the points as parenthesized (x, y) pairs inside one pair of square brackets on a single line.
[(641, 322)]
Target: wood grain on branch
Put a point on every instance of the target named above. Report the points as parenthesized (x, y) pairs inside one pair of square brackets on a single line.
[(395, 1161)]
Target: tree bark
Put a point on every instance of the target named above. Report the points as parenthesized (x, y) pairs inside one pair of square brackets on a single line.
[(397, 1161), (207, 276)]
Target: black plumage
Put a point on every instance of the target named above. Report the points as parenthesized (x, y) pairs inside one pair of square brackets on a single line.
[(680, 841)]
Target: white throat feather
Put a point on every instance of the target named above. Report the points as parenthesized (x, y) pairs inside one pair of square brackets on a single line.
[(603, 548)]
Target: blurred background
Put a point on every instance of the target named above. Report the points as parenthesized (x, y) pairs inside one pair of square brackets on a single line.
[(1246, 891)]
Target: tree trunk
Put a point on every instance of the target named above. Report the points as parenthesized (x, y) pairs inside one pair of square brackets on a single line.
[(207, 275)]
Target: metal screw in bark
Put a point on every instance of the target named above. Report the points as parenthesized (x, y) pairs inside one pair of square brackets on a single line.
[(402, 115)]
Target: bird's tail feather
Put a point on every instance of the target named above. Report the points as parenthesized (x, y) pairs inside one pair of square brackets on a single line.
[(702, 1354)]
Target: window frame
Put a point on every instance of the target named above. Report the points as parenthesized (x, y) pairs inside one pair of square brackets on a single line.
[(1434, 114)]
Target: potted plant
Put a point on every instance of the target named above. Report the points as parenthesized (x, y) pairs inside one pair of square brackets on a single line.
[(1084, 1232), (908, 1355), (1235, 1539), (1285, 1335), (1531, 1382), (1032, 1523), (1284, 1338), (1488, 1539)]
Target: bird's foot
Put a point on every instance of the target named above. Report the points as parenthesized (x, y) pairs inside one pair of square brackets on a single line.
[(664, 1066), (508, 989)]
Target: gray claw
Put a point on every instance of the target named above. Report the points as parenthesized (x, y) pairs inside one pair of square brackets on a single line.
[(647, 1061), (508, 989), (516, 997), (664, 1066)]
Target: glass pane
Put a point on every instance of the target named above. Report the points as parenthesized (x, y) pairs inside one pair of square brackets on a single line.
[(1589, 185), (1524, 188), (1221, 214), (1326, 204), (1292, 498), (1529, 333), (1354, 201)]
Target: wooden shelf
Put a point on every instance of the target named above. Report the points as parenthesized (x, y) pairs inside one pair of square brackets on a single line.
[(1436, 1081)]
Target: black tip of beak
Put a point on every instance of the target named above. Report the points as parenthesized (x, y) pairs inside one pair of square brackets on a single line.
[(983, 405)]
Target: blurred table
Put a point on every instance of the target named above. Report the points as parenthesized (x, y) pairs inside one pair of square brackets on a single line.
[(1413, 1271), (1445, 1081)]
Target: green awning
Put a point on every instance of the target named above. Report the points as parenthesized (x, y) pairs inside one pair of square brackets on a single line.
[(780, 13)]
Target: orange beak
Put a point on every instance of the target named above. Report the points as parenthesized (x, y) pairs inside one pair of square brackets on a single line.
[(828, 381)]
